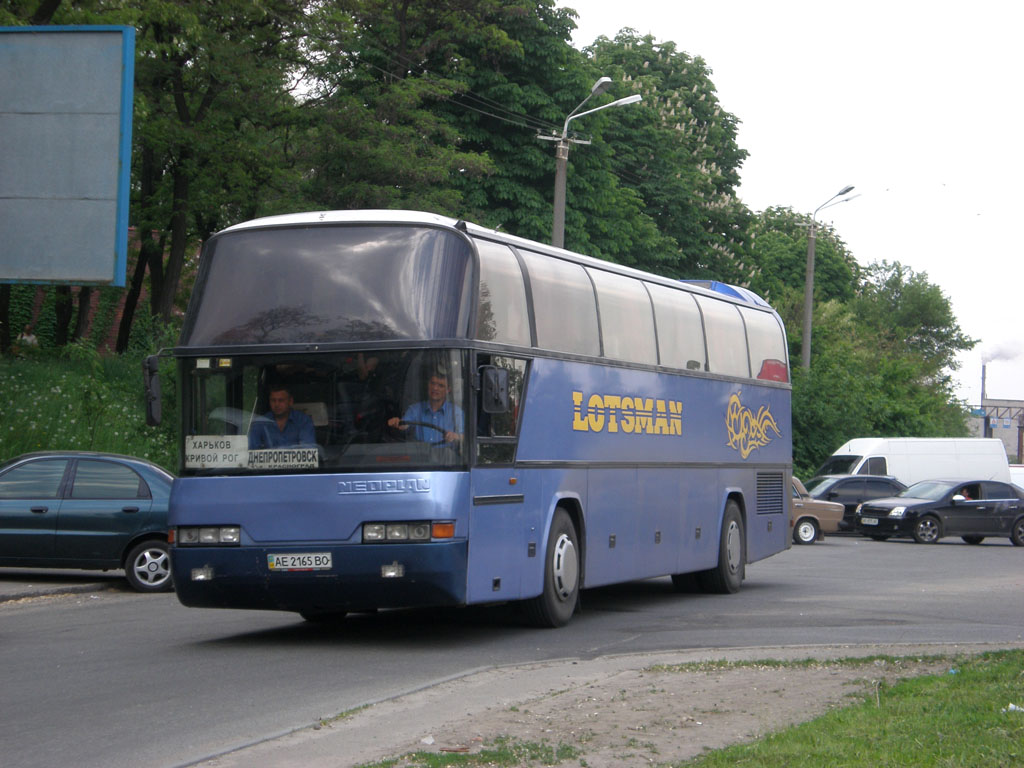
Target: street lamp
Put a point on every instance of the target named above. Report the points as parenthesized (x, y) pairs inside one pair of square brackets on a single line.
[(562, 153), (809, 279)]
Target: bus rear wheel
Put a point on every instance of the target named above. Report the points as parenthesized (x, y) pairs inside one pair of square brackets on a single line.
[(555, 605), (727, 576)]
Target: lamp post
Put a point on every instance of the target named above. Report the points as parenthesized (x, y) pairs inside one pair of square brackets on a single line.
[(809, 279), (562, 153)]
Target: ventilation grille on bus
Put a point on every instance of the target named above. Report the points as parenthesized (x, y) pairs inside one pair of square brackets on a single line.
[(770, 496)]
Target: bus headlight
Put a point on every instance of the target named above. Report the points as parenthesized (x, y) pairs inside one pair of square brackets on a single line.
[(418, 531), (191, 536)]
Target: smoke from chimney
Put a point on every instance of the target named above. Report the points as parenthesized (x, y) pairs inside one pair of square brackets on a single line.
[(1005, 351)]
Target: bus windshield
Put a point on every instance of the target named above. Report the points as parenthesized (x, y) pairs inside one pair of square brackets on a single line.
[(362, 410), (329, 283)]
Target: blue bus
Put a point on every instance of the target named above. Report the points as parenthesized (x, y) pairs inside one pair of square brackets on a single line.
[(595, 424)]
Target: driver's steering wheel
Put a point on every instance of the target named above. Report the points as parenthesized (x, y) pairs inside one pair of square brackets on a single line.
[(443, 431)]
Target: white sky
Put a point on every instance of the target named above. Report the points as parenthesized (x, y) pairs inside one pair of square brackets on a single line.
[(917, 104)]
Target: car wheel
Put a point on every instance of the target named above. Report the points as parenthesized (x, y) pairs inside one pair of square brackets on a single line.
[(148, 567), (927, 530), (805, 531), (973, 539), (1017, 532), (556, 604), (727, 576)]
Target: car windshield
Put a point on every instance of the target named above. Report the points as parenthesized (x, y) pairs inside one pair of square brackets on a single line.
[(931, 490), (818, 485), (838, 465)]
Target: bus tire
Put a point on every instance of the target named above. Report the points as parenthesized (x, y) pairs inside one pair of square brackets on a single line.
[(554, 606), (726, 577)]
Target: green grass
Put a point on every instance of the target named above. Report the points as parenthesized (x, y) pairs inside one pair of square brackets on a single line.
[(958, 718), (947, 720), (78, 400)]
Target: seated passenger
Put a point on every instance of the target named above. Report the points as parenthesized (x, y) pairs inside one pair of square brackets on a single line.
[(282, 426), (447, 418)]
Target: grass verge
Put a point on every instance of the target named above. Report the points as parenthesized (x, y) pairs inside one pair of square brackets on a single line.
[(966, 716)]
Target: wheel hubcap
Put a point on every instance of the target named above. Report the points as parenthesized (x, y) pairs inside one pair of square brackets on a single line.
[(805, 531), (928, 530), (151, 567), (565, 567), (733, 546)]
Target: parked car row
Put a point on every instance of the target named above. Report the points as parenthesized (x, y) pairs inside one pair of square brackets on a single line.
[(881, 508), (851, 491), (93, 511)]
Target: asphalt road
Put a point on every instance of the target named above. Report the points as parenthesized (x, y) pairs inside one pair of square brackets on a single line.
[(100, 676)]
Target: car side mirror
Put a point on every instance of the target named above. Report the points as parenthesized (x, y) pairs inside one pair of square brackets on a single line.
[(958, 498), (494, 389), (151, 381)]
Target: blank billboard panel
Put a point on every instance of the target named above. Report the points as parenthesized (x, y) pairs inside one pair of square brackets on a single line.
[(65, 162)]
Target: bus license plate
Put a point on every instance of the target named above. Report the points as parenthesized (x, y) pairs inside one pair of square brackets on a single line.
[(302, 561), (869, 521)]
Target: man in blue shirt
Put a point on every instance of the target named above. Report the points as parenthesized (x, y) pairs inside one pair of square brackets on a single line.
[(436, 410), (282, 425)]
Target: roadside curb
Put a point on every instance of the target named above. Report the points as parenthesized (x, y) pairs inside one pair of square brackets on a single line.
[(28, 591)]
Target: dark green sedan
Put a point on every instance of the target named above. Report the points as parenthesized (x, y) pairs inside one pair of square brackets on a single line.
[(95, 511)]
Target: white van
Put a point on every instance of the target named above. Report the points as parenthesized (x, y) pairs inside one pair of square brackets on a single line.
[(911, 459)]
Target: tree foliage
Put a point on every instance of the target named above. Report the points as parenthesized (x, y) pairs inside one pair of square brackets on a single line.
[(777, 257), (679, 155)]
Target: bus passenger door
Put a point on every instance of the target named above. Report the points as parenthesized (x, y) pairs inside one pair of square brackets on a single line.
[(499, 535), (499, 531)]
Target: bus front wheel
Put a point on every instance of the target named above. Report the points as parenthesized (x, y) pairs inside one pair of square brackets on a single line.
[(555, 605), (727, 576)]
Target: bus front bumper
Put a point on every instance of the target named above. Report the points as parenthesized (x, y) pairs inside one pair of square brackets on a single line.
[(360, 577)]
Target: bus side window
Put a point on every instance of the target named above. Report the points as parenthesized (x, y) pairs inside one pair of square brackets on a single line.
[(680, 333), (727, 344), (767, 343)]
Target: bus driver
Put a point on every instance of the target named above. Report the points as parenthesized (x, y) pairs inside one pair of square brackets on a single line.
[(437, 412), (282, 425)]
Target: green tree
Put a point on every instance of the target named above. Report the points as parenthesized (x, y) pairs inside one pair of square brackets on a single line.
[(679, 155), (379, 74), (211, 107), (911, 314), (777, 258)]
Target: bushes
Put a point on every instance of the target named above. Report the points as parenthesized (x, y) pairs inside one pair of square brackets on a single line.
[(79, 400)]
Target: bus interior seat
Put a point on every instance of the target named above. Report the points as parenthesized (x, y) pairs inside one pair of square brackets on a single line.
[(316, 411)]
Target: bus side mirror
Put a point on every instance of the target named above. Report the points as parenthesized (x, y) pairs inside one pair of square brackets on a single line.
[(151, 381), (494, 389)]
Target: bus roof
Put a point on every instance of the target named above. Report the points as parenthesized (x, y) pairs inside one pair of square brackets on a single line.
[(735, 294)]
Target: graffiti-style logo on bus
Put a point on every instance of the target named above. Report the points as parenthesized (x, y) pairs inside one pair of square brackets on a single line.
[(623, 413), (748, 432)]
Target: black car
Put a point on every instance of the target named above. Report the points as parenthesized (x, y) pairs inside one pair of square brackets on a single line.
[(853, 490), (929, 510), (77, 509)]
